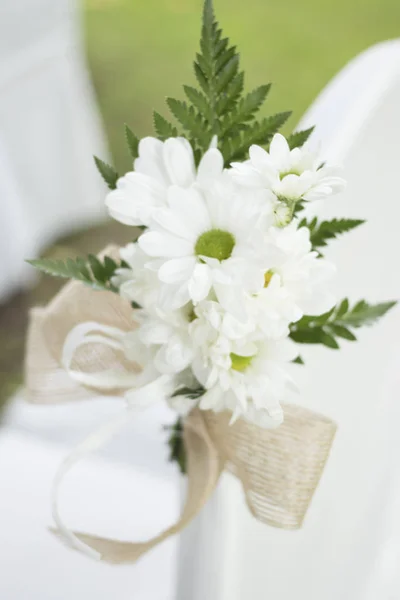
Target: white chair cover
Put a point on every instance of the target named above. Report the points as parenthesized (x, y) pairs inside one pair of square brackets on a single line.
[(49, 130), (349, 547), (112, 499)]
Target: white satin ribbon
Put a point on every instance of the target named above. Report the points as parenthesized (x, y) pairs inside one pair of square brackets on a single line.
[(108, 379), (137, 400)]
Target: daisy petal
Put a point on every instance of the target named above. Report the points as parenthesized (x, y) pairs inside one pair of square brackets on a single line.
[(156, 243), (176, 270), (150, 161), (280, 152), (173, 296), (210, 167), (191, 208), (179, 162), (200, 283)]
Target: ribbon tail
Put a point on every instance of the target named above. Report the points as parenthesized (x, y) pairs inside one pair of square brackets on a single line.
[(204, 469)]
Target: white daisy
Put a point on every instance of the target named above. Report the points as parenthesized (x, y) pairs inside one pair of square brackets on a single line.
[(303, 275), (292, 175), (250, 384), (273, 308), (166, 336), (207, 241), (134, 282), (239, 368), (159, 165)]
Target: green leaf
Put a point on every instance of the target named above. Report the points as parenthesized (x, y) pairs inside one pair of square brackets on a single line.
[(226, 74), (110, 266), (82, 265), (328, 340), (198, 100), (299, 207), (97, 267), (365, 314), (229, 98), (191, 121), (258, 133), (177, 446), (91, 271), (299, 138), (108, 173), (320, 233), (132, 141), (245, 110), (201, 78), (164, 128), (191, 393), (307, 336), (343, 308), (337, 323), (298, 360), (343, 332)]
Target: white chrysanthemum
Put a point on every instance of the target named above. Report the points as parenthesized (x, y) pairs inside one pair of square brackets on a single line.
[(134, 282), (167, 337), (251, 386), (303, 275), (208, 241), (240, 369), (273, 308), (292, 175), (159, 166)]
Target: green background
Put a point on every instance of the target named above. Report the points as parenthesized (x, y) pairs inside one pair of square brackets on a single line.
[(141, 51)]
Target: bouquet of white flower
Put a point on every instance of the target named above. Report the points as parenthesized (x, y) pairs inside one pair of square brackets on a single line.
[(226, 279)]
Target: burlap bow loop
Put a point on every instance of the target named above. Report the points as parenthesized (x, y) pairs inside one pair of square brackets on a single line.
[(279, 469)]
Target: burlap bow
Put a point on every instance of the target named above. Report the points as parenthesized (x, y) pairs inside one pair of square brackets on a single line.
[(279, 469)]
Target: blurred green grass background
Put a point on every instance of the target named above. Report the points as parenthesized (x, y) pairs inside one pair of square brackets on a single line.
[(141, 51)]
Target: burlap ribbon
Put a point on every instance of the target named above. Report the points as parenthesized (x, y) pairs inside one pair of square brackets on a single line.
[(279, 469)]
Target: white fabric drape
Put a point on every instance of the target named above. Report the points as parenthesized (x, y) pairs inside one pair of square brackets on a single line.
[(49, 130)]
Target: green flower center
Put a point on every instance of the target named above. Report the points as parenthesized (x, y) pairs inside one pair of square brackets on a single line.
[(191, 315), (291, 172), (215, 243), (240, 363)]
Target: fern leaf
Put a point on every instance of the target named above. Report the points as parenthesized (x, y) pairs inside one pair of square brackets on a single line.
[(164, 129), (177, 452), (246, 109), (297, 139), (90, 271), (229, 98), (320, 233), (191, 121), (198, 100), (108, 173), (258, 133), (364, 314), (226, 74), (201, 78), (337, 323), (132, 141)]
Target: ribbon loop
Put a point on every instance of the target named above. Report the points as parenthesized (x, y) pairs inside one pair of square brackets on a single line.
[(204, 469)]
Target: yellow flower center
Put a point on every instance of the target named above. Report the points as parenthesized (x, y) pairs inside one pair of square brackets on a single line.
[(215, 243), (240, 363), (268, 275)]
